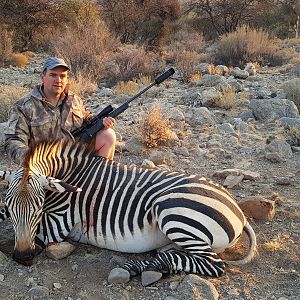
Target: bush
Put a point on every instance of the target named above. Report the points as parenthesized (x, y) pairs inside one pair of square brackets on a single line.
[(8, 96), (292, 90), (244, 45), (186, 62), (181, 37), (6, 46), (228, 99), (82, 86), (19, 60), (132, 62), (86, 48), (155, 129)]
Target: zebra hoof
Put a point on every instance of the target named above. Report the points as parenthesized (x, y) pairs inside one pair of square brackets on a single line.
[(149, 277), (118, 275)]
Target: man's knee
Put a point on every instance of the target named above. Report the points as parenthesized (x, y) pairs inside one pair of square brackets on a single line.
[(106, 137)]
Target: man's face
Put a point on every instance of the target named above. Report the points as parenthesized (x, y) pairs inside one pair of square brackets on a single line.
[(55, 80)]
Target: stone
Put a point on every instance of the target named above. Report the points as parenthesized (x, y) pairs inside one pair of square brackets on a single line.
[(258, 208), (149, 277), (148, 164), (200, 116), (162, 157), (279, 147), (226, 172), (250, 175), (232, 181), (195, 287), (238, 73), (38, 292), (59, 250), (118, 275), (289, 122), (273, 109), (4, 260)]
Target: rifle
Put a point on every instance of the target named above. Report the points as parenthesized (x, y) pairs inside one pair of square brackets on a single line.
[(91, 126)]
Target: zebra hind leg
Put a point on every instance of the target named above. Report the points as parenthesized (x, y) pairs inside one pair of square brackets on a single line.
[(195, 257)]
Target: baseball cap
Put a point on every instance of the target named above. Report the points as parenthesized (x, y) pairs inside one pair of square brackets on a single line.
[(53, 62)]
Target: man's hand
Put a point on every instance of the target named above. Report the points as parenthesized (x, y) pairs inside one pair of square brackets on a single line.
[(108, 122)]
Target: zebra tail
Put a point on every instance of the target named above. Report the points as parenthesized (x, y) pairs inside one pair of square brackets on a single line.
[(252, 247)]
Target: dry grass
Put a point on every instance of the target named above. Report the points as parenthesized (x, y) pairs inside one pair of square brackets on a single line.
[(154, 128), (144, 80), (8, 96), (126, 88), (228, 99), (82, 85), (19, 60), (30, 54), (295, 59), (131, 62), (244, 45), (278, 244), (292, 41), (196, 76)]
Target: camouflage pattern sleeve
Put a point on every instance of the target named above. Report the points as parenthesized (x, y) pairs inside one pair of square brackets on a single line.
[(17, 135)]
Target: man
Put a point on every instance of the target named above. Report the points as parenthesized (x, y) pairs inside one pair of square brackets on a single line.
[(51, 111)]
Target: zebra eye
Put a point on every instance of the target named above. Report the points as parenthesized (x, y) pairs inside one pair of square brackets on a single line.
[(2, 211)]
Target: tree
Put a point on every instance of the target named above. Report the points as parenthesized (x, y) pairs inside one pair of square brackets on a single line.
[(138, 20), (224, 16), (29, 17)]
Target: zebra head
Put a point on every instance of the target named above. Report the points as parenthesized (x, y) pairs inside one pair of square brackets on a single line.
[(24, 202)]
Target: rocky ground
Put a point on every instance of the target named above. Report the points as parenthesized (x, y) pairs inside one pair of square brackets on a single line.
[(249, 137)]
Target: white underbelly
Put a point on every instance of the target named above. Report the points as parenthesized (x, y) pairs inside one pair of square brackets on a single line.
[(140, 241)]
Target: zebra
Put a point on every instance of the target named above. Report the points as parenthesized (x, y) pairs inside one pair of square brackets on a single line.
[(64, 190)]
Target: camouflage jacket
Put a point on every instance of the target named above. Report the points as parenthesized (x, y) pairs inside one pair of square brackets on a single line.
[(33, 119)]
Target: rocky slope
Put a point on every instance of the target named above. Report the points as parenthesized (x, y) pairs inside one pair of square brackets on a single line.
[(249, 138)]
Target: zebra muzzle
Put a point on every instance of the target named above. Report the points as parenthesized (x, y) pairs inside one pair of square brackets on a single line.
[(24, 257)]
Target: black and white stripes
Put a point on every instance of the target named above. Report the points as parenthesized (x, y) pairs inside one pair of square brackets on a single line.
[(128, 209)]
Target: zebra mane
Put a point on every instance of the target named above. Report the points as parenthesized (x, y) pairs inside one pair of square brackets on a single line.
[(38, 151)]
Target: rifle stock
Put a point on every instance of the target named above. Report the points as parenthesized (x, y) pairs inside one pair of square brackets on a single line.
[(95, 124)]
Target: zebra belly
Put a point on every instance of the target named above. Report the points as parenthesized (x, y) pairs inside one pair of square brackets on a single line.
[(140, 241)]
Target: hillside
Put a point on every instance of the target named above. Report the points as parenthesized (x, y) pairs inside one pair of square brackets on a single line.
[(251, 135)]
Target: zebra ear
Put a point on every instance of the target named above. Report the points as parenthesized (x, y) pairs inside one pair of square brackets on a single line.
[(6, 175), (57, 185)]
